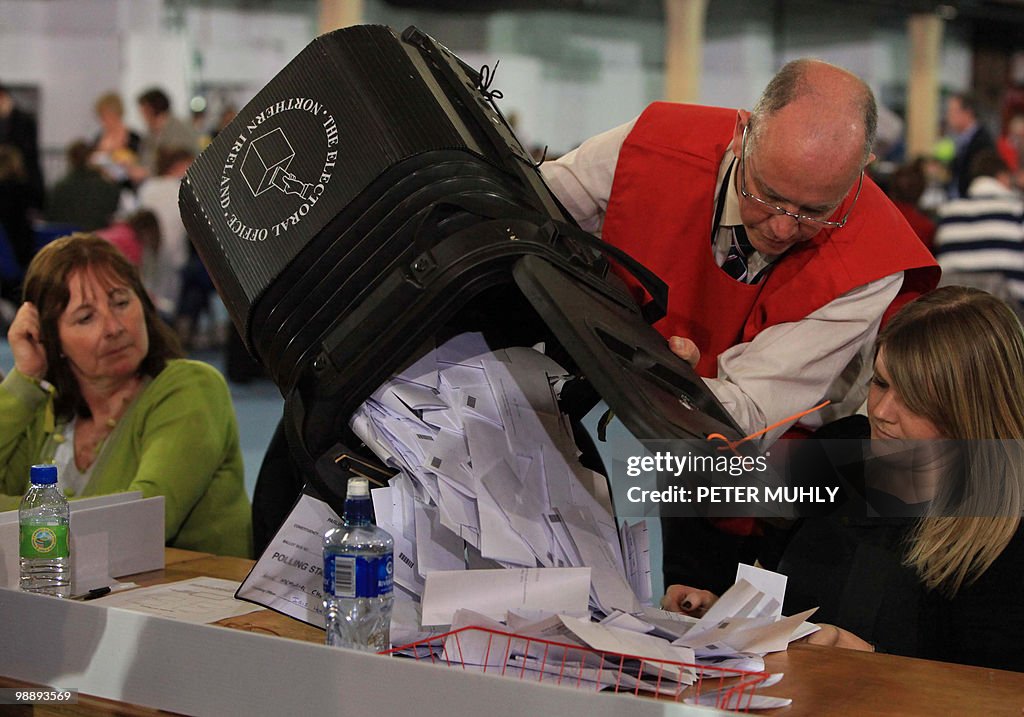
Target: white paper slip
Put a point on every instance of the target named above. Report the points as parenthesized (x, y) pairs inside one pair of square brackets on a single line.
[(498, 539), (404, 550), (738, 601), (739, 701), (521, 509), (636, 553), (610, 585), (289, 576), (772, 584), (495, 592), (484, 646), (661, 657), (437, 548), (670, 625), (744, 662), (624, 621), (199, 600), (746, 634)]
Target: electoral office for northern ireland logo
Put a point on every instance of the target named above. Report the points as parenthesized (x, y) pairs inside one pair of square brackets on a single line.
[(264, 162)]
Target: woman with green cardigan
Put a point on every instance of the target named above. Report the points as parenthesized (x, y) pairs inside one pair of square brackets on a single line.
[(99, 389)]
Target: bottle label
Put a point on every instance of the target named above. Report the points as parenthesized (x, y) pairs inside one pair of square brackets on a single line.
[(48, 542), (358, 576)]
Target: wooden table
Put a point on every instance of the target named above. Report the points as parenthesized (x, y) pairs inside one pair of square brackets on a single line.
[(823, 680), (819, 680)]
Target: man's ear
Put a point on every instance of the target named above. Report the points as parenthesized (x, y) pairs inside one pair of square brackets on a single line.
[(742, 118)]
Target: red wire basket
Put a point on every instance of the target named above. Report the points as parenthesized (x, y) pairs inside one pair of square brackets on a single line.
[(536, 659)]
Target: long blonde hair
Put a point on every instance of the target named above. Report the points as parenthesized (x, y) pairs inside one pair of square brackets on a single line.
[(956, 357)]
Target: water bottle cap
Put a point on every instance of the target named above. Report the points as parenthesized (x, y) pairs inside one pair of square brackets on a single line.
[(358, 487), (45, 474)]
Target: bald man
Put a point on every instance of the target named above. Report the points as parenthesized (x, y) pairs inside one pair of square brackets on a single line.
[(781, 256)]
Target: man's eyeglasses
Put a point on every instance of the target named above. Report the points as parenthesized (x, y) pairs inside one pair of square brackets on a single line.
[(804, 219)]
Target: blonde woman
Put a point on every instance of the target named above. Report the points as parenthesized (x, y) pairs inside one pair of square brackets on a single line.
[(116, 146), (946, 585)]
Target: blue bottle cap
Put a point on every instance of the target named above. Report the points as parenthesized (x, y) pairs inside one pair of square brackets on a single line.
[(45, 474)]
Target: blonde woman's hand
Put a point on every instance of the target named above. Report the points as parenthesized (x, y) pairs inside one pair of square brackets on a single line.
[(832, 636), (25, 338), (687, 600)]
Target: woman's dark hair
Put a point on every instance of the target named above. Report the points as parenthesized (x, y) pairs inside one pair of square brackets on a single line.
[(46, 286), (146, 226), (156, 99), (167, 157), (908, 182)]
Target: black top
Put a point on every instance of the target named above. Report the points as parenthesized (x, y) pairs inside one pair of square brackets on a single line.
[(16, 200), (850, 567), (960, 168), (83, 199), (984, 624), (19, 129)]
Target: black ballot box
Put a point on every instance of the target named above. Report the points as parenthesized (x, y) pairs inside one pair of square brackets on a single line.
[(371, 197)]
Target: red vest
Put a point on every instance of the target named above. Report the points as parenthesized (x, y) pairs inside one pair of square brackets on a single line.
[(661, 209)]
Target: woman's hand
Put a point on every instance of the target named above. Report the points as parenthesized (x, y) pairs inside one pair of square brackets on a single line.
[(25, 338), (687, 600), (832, 636)]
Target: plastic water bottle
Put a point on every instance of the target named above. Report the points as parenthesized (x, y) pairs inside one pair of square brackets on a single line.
[(358, 576), (45, 541)]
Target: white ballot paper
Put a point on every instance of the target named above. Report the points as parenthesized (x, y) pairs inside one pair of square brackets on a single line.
[(772, 584), (746, 620), (636, 553), (739, 701), (660, 655), (289, 576), (494, 592), (199, 600), (731, 698)]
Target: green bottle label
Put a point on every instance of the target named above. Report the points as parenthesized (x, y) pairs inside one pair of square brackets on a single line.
[(44, 541)]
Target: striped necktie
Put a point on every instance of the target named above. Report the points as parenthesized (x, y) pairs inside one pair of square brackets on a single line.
[(735, 264)]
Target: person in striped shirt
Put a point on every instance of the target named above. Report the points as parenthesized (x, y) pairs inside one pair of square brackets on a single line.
[(980, 238)]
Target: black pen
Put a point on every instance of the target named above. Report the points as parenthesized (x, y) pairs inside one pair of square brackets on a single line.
[(95, 593)]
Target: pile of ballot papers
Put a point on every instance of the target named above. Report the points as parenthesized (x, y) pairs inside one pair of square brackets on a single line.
[(498, 526), (489, 474), (497, 626)]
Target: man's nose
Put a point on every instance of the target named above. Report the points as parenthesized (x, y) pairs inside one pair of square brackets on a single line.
[(784, 227)]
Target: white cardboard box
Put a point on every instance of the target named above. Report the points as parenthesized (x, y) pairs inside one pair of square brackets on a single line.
[(111, 536)]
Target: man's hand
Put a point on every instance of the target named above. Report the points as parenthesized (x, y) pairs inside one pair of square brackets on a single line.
[(684, 349), (25, 338), (687, 600)]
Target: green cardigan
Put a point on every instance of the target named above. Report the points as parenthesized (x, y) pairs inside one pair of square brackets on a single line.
[(178, 439)]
